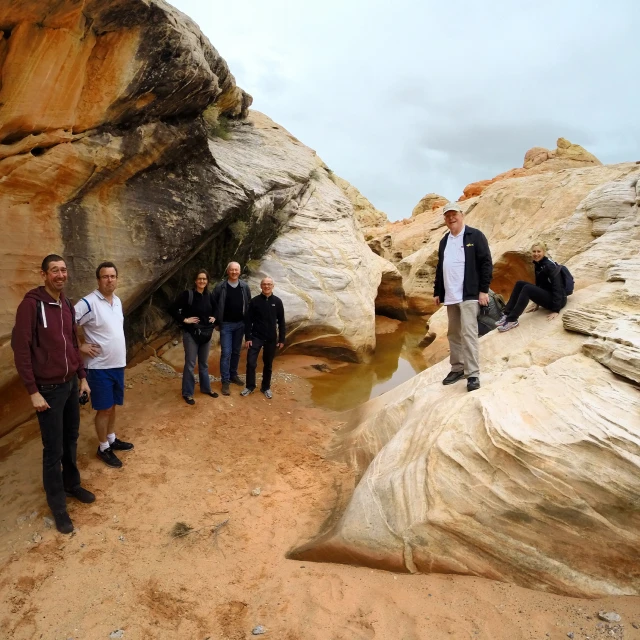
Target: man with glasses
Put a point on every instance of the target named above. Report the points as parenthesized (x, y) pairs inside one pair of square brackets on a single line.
[(46, 354), (264, 329), (105, 357)]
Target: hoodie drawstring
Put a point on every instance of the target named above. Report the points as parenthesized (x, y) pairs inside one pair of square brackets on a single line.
[(44, 317)]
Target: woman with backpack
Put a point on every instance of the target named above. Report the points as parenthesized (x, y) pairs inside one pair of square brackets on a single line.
[(548, 292), (193, 311)]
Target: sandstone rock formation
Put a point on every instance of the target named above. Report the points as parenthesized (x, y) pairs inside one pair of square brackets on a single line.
[(535, 478), (428, 203), (104, 153), (366, 214)]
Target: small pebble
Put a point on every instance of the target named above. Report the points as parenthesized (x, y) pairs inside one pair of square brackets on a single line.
[(118, 633), (256, 492), (570, 634), (258, 631), (635, 625), (609, 616), (36, 538), (121, 538), (48, 522)]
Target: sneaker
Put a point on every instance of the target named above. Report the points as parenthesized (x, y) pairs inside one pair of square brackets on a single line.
[(213, 394), (453, 376), (473, 383), (246, 392), (119, 445), (81, 494), (225, 389), (109, 458), (189, 400), (63, 522), (507, 326), (267, 393), (236, 380)]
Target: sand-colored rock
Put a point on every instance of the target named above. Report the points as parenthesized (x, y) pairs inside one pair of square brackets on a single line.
[(534, 479), (367, 216), (430, 202)]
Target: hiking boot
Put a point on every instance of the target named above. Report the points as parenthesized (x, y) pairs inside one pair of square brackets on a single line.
[(503, 319), (236, 380), (119, 445), (507, 326), (225, 389), (63, 522), (267, 393), (453, 376), (246, 392), (473, 383), (213, 394), (81, 494), (190, 401), (109, 458)]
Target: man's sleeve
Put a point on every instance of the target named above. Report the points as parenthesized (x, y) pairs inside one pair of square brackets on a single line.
[(281, 325), (437, 283), (84, 312), (485, 265), (248, 322), (21, 343)]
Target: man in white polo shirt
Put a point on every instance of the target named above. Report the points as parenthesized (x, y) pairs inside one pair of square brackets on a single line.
[(105, 357), (463, 275)]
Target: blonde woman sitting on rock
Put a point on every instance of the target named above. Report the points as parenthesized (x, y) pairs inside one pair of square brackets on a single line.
[(548, 292)]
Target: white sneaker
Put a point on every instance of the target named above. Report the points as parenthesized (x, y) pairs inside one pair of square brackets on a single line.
[(267, 393), (246, 392)]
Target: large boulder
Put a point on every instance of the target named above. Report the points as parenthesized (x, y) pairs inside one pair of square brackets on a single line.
[(535, 478), (367, 216)]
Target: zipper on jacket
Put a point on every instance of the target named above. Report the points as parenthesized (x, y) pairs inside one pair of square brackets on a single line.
[(66, 362)]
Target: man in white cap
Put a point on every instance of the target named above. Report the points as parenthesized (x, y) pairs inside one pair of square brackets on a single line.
[(463, 276)]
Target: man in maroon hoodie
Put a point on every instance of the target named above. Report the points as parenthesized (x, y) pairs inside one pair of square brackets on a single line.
[(46, 354)]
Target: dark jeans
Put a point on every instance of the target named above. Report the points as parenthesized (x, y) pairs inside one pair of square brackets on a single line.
[(268, 353), (231, 334), (193, 350), (59, 428), (520, 296)]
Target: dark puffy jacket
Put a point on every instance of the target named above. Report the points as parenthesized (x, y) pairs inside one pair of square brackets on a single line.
[(44, 341), (478, 267), (549, 280)]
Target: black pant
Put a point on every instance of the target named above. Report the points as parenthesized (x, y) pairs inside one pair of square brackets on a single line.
[(268, 353), (520, 296), (59, 427)]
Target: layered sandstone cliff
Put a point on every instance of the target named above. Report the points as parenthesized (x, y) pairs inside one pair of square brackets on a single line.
[(105, 154)]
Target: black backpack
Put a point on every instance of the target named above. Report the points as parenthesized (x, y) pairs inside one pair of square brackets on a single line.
[(567, 279), (490, 314)]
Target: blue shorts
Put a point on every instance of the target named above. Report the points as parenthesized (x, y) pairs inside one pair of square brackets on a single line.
[(107, 387)]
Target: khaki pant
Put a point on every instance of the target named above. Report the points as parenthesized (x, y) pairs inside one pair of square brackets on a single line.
[(463, 337)]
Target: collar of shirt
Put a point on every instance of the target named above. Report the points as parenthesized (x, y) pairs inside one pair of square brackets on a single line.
[(114, 298), (461, 232)]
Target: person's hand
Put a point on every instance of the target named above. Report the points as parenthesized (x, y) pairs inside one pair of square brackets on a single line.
[(38, 402), (280, 345), (436, 300), (483, 299), (89, 349), (552, 316), (84, 386), (192, 320), (211, 319), (248, 343), (534, 307)]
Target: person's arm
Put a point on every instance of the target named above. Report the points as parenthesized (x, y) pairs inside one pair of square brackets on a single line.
[(281, 324), (84, 314), (438, 282), (178, 308), (21, 343), (248, 324), (557, 288), (483, 263)]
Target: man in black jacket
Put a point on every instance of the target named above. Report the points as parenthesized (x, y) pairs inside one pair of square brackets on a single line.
[(264, 329), (463, 276)]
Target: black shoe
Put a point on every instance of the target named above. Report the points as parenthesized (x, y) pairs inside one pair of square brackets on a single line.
[(236, 380), (81, 494), (109, 458), (63, 522), (119, 445), (189, 400), (213, 394), (453, 376), (473, 384), (225, 389)]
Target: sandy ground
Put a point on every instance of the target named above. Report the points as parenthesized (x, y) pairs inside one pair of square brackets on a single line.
[(122, 569)]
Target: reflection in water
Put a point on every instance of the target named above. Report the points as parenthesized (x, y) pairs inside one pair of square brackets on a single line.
[(397, 358)]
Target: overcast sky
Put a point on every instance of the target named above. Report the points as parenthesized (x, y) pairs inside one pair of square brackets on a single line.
[(407, 97)]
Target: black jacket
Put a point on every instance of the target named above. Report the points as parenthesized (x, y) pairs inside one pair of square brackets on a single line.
[(219, 296), (549, 280), (478, 267), (200, 306), (262, 317)]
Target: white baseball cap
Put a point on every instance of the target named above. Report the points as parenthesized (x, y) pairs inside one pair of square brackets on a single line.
[(451, 206)]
